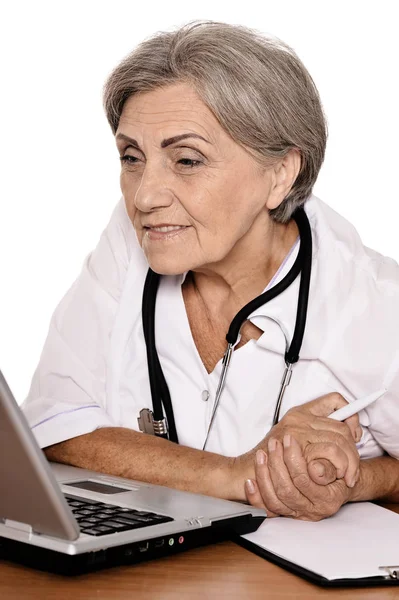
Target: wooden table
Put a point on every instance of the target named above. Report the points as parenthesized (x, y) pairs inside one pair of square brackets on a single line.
[(221, 571)]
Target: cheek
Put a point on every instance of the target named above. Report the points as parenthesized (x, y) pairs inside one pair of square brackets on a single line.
[(228, 208), (132, 213), (246, 196), (129, 188), (130, 210)]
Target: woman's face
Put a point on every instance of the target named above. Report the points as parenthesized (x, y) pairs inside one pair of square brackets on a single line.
[(191, 192)]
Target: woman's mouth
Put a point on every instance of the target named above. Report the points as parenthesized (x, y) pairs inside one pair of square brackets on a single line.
[(163, 232)]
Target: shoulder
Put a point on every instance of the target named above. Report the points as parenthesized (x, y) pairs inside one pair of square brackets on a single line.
[(353, 317), (339, 248)]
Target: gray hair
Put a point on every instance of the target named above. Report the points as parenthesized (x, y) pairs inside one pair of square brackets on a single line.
[(256, 86)]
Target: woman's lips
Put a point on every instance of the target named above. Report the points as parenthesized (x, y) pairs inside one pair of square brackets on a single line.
[(163, 232)]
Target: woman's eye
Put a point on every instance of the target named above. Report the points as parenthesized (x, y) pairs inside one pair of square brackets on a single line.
[(189, 162), (128, 159)]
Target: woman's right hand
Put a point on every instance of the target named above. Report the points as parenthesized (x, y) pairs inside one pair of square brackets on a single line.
[(329, 446)]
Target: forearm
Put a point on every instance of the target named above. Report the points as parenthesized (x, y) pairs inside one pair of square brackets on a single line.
[(379, 479), (127, 453)]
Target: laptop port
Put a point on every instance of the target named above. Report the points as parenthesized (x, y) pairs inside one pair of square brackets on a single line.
[(143, 547), (159, 543)]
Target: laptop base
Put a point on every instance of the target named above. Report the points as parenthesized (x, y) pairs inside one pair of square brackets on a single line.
[(132, 553)]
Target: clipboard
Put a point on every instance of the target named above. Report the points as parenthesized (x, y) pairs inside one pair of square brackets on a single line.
[(341, 551)]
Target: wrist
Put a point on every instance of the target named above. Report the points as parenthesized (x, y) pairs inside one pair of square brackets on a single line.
[(378, 477), (240, 469), (357, 493)]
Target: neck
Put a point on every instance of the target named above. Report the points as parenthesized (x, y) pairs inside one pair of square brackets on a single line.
[(245, 272)]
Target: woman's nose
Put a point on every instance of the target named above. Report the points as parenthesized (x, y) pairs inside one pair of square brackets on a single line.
[(153, 191)]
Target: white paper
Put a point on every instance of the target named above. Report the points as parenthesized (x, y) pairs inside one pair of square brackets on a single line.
[(353, 543)]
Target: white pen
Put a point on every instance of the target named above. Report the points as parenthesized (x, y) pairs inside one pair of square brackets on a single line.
[(356, 406)]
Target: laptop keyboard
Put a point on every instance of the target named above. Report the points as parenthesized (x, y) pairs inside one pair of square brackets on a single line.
[(98, 518)]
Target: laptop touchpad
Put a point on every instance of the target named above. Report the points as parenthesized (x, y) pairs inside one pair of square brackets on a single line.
[(96, 486)]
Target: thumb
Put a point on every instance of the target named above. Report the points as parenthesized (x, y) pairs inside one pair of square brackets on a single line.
[(321, 471)]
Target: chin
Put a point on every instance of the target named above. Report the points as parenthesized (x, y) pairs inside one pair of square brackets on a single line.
[(164, 266)]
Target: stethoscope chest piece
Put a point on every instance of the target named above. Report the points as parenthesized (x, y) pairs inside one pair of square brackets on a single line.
[(147, 423)]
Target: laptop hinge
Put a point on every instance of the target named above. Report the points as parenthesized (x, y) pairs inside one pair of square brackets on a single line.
[(17, 525)]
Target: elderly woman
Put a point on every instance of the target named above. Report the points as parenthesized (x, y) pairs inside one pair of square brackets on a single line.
[(221, 136)]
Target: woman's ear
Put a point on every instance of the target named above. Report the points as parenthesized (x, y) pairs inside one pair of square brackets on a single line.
[(285, 172)]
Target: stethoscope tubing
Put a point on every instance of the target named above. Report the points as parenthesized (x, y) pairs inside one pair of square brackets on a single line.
[(158, 385)]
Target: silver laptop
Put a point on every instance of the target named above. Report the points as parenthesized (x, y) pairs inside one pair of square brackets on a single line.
[(69, 520)]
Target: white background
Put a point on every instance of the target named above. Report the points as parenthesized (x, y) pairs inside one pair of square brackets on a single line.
[(59, 167)]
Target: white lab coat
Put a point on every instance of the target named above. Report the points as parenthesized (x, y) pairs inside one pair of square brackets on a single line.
[(93, 369)]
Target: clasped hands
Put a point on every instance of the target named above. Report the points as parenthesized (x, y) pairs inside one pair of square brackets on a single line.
[(308, 464)]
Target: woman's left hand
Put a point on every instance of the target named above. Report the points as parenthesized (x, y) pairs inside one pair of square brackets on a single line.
[(283, 486)]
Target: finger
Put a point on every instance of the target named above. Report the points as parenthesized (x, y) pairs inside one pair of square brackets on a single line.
[(328, 451), (354, 427), (344, 445), (351, 425), (345, 458), (296, 464), (254, 497), (266, 488), (332, 426), (298, 417), (343, 453), (324, 430), (325, 405), (325, 500), (339, 449), (283, 484), (322, 472)]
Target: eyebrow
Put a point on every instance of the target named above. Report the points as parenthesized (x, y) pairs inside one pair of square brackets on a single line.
[(164, 143)]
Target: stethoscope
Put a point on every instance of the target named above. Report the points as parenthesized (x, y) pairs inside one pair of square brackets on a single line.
[(154, 421)]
